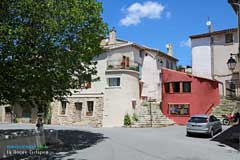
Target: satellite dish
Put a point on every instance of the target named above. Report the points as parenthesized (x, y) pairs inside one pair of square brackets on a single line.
[(209, 23), (167, 45)]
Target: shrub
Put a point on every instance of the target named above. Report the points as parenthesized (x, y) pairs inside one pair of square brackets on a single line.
[(127, 120), (135, 117)]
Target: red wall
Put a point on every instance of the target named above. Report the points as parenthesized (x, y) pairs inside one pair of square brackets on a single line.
[(204, 95)]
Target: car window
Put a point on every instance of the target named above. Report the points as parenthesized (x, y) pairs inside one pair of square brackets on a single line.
[(212, 119), (198, 120)]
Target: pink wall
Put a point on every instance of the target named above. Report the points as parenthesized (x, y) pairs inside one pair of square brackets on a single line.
[(204, 95)]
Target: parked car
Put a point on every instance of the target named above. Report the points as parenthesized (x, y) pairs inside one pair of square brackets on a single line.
[(203, 124)]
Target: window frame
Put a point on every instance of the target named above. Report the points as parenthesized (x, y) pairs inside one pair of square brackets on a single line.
[(173, 88), (227, 38), (112, 78), (183, 88), (60, 111), (78, 108), (167, 87), (90, 113), (179, 104)]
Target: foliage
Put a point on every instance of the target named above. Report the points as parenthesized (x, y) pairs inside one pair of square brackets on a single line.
[(46, 47), (145, 104), (179, 67), (134, 68), (135, 117), (127, 120)]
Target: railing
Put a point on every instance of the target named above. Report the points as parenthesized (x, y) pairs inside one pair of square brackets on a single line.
[(119, 64), (232, 88)]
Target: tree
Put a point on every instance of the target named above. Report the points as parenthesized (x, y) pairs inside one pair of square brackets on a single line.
[(46, 46)]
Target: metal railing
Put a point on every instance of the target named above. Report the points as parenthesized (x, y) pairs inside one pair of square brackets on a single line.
[(232, 88), (119, 64)]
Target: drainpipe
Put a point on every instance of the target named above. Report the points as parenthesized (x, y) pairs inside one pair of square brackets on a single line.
[(212, 57)]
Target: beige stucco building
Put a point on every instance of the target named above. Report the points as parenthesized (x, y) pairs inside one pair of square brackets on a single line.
[(128, 74), (210, 53)]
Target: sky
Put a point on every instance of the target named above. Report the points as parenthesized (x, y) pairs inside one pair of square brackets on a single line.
[(154, 23)]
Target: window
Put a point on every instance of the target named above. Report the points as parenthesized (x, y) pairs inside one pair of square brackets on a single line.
[(78, 106), (89, 108), (167, 64), (167, 87), (176, 87), (212, 119), (198, 120), (186, 87), (84, 83), (228, 38), (113, 82), (63, 107), (171, 65), (178, 109), (8, 109)]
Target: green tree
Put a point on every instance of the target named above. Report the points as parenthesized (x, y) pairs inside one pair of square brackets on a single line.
[(46, 46)]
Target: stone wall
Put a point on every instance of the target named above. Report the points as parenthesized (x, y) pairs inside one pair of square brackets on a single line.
[(75, 116)]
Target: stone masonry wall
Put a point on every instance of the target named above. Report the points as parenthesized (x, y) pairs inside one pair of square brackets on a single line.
[(74, 116)]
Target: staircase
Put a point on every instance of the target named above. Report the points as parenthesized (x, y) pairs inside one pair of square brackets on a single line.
[(155, 119), (227, 106)]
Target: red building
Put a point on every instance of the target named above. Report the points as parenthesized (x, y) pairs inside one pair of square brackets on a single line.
[(184, 95)]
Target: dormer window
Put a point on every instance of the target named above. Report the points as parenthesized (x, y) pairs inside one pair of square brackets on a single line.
[(228, 38)]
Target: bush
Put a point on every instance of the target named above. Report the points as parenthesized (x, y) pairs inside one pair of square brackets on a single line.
[(135, 117), (127, 120)]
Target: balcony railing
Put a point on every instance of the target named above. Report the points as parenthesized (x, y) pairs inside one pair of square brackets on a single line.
[(233, 88), (118, 64)]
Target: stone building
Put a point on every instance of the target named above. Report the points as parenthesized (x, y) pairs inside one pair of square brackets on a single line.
[(129, 74)]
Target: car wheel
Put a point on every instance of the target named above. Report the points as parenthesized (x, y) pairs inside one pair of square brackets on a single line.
[(220, 129), (188, 134), (226, 122), (211, 133)]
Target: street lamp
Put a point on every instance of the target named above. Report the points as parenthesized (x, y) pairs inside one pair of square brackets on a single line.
[(231, 63)]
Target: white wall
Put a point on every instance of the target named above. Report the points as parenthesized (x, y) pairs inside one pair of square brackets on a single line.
[(151, 78), (221, 52), (118, 100), (131, 52), (201, 57)]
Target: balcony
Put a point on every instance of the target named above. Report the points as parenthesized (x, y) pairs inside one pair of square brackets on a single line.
[(233, 88), (122, 65)]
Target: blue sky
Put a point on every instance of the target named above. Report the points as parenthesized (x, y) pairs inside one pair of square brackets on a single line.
[(155, 23)]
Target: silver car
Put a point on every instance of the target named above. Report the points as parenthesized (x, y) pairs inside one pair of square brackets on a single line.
[(203, 124)]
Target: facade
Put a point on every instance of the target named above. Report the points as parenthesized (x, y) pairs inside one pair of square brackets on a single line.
[(210, 53), (184, 95), (128, 72)]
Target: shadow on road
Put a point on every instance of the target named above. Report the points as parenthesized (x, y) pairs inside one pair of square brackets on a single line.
[(62, 143), (230, 137)]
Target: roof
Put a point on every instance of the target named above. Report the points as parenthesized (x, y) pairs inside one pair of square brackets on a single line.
[(190, 75), (235, 8), (123, 43), (231, 30)]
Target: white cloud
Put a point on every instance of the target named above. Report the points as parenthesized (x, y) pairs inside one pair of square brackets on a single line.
[(186, 43), (137, 11)]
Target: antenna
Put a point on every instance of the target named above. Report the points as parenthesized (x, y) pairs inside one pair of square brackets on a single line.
[(209, 24)]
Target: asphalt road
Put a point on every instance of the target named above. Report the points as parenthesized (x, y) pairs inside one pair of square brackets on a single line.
[(169, 143)]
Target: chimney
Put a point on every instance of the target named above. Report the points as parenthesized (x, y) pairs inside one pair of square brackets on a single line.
[(169, 47), (112, 36)]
